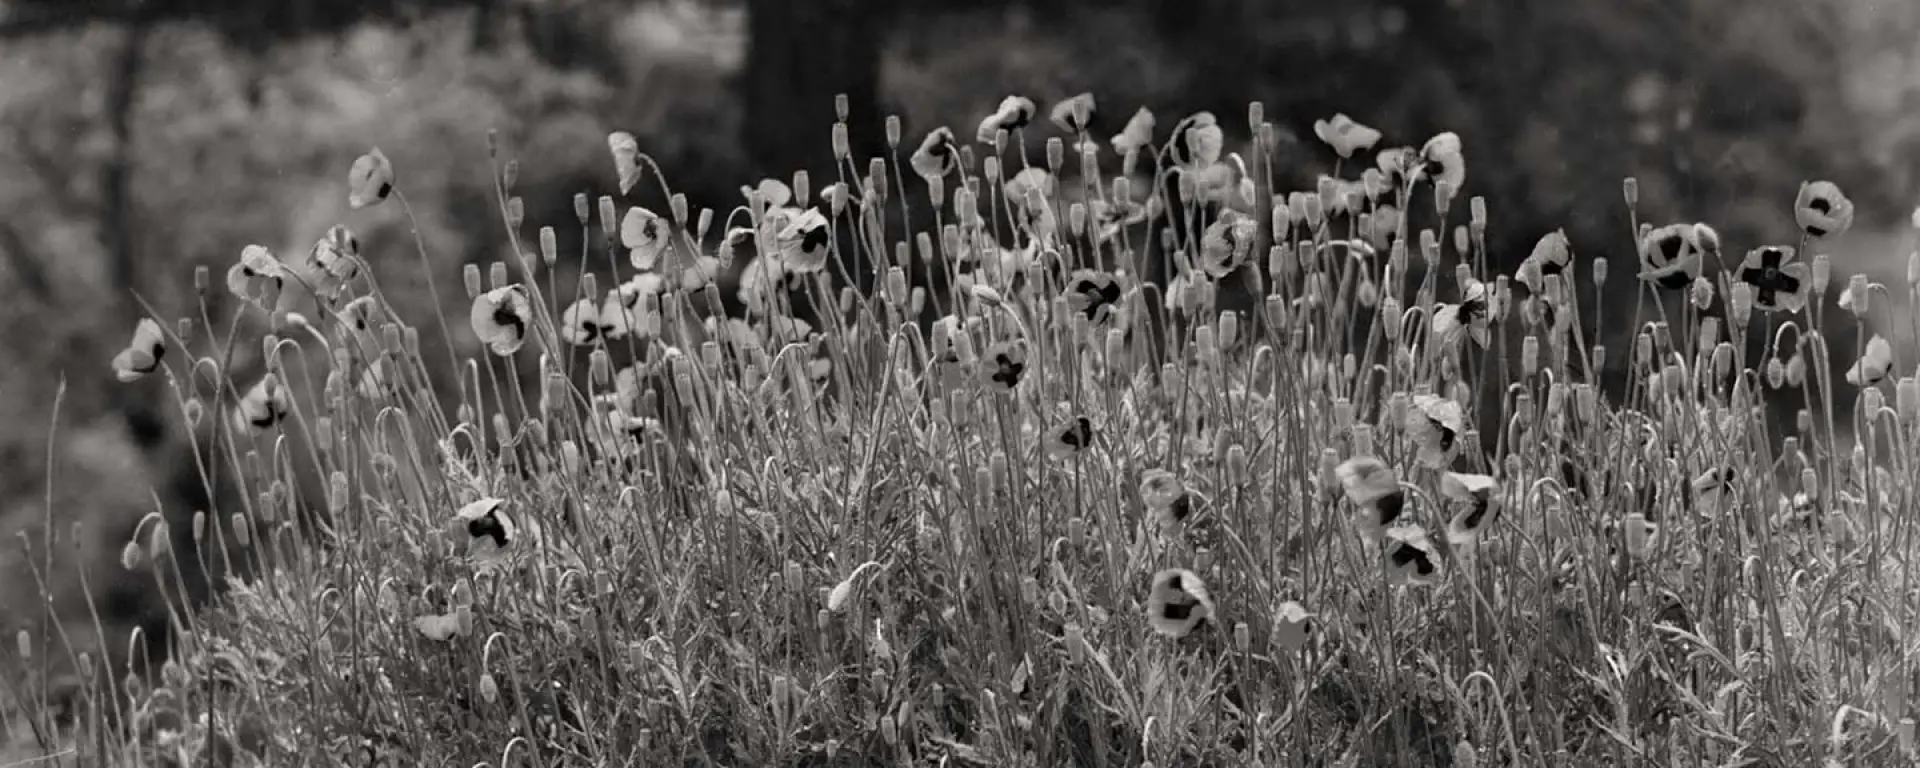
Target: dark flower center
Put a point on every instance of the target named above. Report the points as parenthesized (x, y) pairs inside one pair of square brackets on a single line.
[(488, 527)]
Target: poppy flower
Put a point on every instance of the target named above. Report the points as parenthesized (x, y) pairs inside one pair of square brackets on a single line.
[(772, 193), (334, 261), (1550, 256), (645, 233), (1292, 626), (1671, 256), (1137, 134), (370, 180), (1015, 112), (1711, 490), (500, 318), (1435, 424), (442, 627), (580, 323), (1178, 603), (937, 156), (764, 282), (1874, 363), (1070, 438), (1095, 295), (1396, 165), (1003, 365), (1641, 534), (626, 310), (1473, 316), (263, 407), (1478, 506), (1411, 557), (1031, 189), (257, 273), (626, 158), (1197, 141), (806, 242), (1822, 210), (1374, 490), (1442, 160), (1165, 497), (1778, 282), (143, 354), (1075, 114), (1227, 243), (1345, 136), (489, 531)]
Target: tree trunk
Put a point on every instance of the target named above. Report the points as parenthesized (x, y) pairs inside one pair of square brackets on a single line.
[(799, 56)]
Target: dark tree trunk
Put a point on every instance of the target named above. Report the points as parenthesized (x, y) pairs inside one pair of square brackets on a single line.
[(799, 55)]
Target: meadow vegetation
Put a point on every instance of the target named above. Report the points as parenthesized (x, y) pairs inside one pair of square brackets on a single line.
[(1130, 458)]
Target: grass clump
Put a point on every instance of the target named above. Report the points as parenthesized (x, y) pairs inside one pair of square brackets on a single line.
[(978, 455)]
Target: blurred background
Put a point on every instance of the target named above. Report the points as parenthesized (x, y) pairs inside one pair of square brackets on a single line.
[(141, 138)]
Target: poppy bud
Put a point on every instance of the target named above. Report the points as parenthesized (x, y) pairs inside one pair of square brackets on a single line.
[(1242, 637), (516, 212), (1740, 303), (1477, 206), (1872, 400), (609, 217), (1857, 295), (1630, 189), (497, 275), (1056, 154), (1776, 372), (1530, 355), (580, 208), (1803, 422), (1462, 241)]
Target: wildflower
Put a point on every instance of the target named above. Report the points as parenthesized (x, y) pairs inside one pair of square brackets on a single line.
[(1137, 134), (1075, 436), (1372, 487), (1094, 294), (489, 532), (441, 627), (1671, 256), (1166, 497), (1711, 489), (1443, 161), (1003, 365), (645, 233), (1472, 315), (626, 158), (1435, 424), (1856, 298), (263, 407), (580, 324), (632, 307), (1345, 136), (937, 156), (142, 355), (1822, 210), (1550, 257), (1178, 603), (370, 180), (256, 274), (1642, 535), (1396, 165), (1073, 115), (1475, 493), (1227, 242), (1874, 363), (1197, 141), (1031, 188), (806, 241), (334, 261), (500, 319), (1015, 112), (1776, 280), (1411, 557), (774, 194), (1292, 626)]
